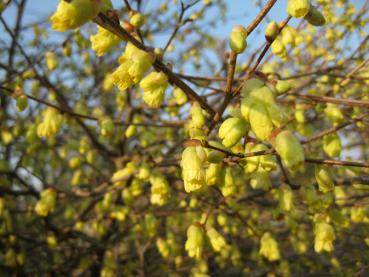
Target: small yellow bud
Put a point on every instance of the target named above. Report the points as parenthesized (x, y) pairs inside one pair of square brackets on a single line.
[(137, 20), (278, 48), (285, 198), (107, 127), (197, 116), (160, 190), (46, 203), (237, 39), (22, 103), (269, 247), (298, 8), (51, 60), (271, 31), (179, 96)]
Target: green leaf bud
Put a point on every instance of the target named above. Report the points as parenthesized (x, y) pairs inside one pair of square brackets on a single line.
[(315, 17)]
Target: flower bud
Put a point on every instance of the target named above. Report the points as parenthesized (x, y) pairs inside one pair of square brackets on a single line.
[(324, 178), (213, 174), (107, 127), (217, 241), (46, 203), (298, 8), (51, 60), (120, 177), (334, 114), (271, 31), (315, 17), (163, 247), (22, 102), (197, 116), (137, 20), (154, 86), (324, 237), (332, 145), (195, 241), (193, 172), (278, 48), (179, 96), (290, 150), (160, 190), (130, 131), (237, 39), (285, 194), (232, 130), (269, 247)]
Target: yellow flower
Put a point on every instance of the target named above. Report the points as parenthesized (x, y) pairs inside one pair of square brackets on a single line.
[(298, 8), (269, 248), (232, 130), (285, 198), (46, 203), (324, 178), (134, 64), (103, 41), (160, 190), (324, 237), (51, 60), (197, 116), (290, 150), (154, 86), (332, 145), (195, 241), (217, 241), (193, 171), (70, 15), (51, 123)]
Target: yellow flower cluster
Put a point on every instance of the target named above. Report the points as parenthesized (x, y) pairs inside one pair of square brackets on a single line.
[(47, 202), (51, 123), (260, 109), (134, 63), (72, 14)]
